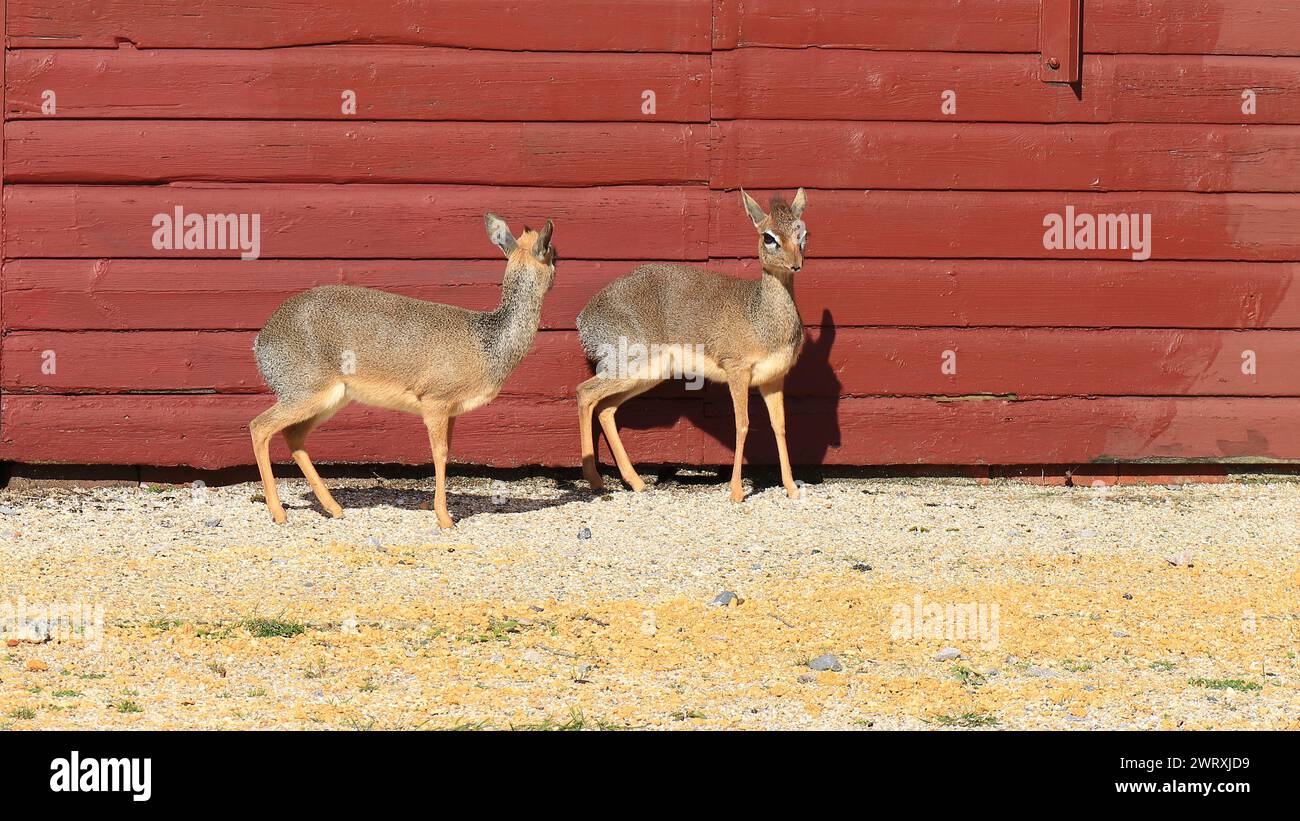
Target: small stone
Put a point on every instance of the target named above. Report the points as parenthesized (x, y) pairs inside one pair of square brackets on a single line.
[(10, 511), (807, 678), (1087, 533), (349, 626), (36, 666), (825, 661), (1014, 534), (1038, 672), (725, 599), (585, 533), (1119, 634), (214, 522), (1128, 596), (948, 654), (375, 543), (862, 568)]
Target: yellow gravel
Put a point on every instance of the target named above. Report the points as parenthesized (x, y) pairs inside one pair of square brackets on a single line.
[(1071, 608)]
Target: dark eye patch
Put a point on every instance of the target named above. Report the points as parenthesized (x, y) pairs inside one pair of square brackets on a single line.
[(770, 239)]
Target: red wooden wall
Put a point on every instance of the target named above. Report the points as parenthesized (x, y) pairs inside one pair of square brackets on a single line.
[(927, 227)]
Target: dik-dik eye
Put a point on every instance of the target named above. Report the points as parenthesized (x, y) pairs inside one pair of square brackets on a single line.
[(770, 240), (803, 240)]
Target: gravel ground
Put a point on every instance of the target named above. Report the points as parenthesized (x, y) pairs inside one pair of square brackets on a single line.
[(929, 603)]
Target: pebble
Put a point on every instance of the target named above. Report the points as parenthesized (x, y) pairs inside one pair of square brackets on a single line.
[(948, 654), (585, 533), (212, 522), (1039, 672), (825, 661), (807, 678), (724, 599), (861, 568)]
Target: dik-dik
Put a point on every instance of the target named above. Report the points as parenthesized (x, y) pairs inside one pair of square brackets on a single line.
[(334, 344), (739, 331)]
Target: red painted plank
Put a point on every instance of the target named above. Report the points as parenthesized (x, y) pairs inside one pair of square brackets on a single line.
[(981, 225), (131, 294), (542, 154), (867, 85), (359, 221), (1154, 27), (525, 25), (390, 83), (967, 156), (836, 362), (211, 432)]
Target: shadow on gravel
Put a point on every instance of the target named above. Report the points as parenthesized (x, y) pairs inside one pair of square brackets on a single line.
[(460, 505)]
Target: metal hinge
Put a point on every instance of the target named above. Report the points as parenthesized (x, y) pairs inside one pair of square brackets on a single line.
[(1060, 30)]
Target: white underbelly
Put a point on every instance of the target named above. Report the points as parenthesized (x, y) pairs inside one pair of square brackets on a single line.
[(772, 366)]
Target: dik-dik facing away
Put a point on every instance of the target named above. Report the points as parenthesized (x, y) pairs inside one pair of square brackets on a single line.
[(334, 344), (688, 320)]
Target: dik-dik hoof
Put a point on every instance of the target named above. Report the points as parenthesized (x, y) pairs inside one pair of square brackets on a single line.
[(278, 517), (793, 492), (446, 523), (336, 512), (636, 484), (737, 494)]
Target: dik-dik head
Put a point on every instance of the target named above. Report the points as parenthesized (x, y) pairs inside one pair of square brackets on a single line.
[(530, 254), (782, 234)]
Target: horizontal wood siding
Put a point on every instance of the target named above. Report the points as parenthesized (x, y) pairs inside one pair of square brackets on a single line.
[(943, 326)]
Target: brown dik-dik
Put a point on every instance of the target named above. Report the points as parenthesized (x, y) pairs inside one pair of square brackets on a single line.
[(681, 319), (331, 345)]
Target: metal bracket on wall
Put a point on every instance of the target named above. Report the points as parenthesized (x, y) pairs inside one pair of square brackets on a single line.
[(1060, 30)]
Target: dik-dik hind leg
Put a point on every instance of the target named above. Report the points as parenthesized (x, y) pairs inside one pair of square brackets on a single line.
[(296, 437), (270, 422), (439, 423), (738, 381), (774, 396), (602, 395)]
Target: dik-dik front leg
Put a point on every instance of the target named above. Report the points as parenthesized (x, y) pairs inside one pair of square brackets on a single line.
[(438, 421), (738, 381), (774, 395)]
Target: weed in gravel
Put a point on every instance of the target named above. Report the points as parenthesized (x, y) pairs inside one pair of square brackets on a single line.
[(91, 676), (967, 720), (23, 714), (274, 628), (163, 625), (1225, 684), (66, 693), (967, 676), (496, 631), (127, 706), (1162, 666), (576, 721), (1076, 665)]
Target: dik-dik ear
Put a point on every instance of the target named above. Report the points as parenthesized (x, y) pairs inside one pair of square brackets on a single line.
[(542, 248), (752, 208), (499, 233), (800, 202)]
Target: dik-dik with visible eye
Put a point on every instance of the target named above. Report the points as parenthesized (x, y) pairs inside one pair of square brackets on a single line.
[(331, 345), (739, 331)]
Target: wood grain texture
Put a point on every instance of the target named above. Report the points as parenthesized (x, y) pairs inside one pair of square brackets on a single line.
[(525, 25), (543, 154), (360, 221), (143, 294), (979, 156), (850, 362), (891, 86), (211, 432), (1269, 27), (390, 83), (984, 225)]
